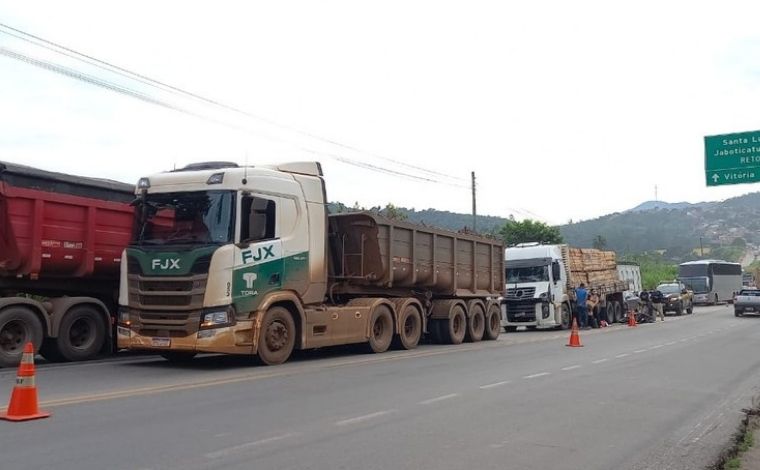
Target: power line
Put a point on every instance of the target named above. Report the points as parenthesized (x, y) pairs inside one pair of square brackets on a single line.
[(71, 53), (92, 80)]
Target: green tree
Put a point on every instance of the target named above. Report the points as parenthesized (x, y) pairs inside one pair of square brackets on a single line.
[(393, 212), (526, 231), (600, 243)]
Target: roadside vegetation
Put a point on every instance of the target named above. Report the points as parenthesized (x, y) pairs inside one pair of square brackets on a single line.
[(654, 268)]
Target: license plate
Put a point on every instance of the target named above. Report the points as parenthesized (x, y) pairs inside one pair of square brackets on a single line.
[(161, 342), (749, 309)]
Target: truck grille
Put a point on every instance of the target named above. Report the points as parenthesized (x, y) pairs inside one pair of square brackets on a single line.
[(521, 311), (167, 294), (171, 324), (517, 293)]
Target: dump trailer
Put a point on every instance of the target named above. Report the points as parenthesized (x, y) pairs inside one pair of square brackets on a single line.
[(61, 241), (246, 260), (540, 283)]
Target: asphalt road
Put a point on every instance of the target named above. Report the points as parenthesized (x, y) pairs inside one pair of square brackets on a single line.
[(664, 396)]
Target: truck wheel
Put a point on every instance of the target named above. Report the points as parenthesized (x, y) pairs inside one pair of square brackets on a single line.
[(18, 326), (81, 335), (411, 328), (178, 357), (566, 317), (455, 328), (493, 323), (476, 324), (381, 329), (618, 309), (277, 336)]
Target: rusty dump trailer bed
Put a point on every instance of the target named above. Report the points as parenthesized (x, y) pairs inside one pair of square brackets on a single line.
[(369, 253), (61, 238)]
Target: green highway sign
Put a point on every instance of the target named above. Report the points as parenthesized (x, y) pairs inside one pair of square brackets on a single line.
[(732, 158)]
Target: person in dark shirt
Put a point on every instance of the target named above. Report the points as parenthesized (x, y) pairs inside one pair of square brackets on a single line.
[(581, 296)]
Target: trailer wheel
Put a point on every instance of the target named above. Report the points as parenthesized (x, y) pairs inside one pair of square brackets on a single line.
[(455, 328), (277, 337), (618, 309), (18, 326), (81, 335), (411, 328), (493, 323), (381, 329), (476, 324)]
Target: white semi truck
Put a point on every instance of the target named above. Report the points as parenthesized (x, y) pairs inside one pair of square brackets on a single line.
[(540, 282), (247, 261)]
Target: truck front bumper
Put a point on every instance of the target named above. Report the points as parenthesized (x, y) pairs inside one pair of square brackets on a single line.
[(239, 338)]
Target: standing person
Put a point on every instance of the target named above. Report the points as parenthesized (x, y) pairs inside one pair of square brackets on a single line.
[(593, 310), (658, 300), (581, 296)]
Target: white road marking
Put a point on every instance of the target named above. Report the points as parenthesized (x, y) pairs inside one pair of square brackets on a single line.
[(599, 361), (533, 376), (229, 450), (493, 385), (437, 399), (639, 351), (670, 343), (684, 340), (657, 347), (620, 356), (359, 419), (571, 367)]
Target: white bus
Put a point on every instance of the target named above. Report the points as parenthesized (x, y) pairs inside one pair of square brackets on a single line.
[(712, 281)]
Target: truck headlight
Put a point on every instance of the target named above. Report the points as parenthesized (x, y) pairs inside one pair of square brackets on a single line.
[(124, 318), (545, 311), (544, 296), (217, 318)]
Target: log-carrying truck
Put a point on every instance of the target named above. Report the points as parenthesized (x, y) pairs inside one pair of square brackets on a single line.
[(247, 261), (541, 280), (61, 244)]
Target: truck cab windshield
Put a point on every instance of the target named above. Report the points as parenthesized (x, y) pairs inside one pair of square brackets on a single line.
[(198, 217), (527, 274)]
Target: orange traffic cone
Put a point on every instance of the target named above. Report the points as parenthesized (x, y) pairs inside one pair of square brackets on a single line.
[(23, 405), (575, 339), (632, 318)]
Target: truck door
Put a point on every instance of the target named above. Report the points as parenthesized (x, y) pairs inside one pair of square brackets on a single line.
[(258, 267)]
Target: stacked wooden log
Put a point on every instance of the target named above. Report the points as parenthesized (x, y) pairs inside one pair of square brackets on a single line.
[(595, 268)]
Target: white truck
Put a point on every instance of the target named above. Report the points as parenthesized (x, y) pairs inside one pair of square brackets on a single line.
[(540, 280)]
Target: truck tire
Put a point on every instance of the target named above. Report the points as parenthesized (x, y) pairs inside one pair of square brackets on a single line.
[(618, 309), (492, 323), (81, 335), (476, 324), (178, 357), (455, 328), (566, 317), (410, 332), (18, 326), (380, 329), (277, 336)]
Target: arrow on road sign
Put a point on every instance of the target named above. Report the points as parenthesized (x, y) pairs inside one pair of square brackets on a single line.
[(715, 177)]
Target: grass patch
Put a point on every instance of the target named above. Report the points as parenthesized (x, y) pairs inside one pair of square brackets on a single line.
[(744, 439), (733, 464)]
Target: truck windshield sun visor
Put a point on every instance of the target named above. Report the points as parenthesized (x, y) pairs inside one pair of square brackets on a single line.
[(189, 218)]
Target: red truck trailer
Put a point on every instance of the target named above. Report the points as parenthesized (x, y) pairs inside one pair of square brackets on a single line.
[(61, 242)]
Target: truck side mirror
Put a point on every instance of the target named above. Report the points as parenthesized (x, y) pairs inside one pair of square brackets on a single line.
[(556, 275)]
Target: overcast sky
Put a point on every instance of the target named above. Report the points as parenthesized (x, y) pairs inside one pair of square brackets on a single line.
[(565, 110)]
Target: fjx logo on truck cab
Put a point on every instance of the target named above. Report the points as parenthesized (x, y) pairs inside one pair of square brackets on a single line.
[(166, 264), (262, 253)]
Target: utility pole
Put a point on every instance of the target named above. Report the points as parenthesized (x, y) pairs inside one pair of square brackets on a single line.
[(701, 248), (474, 210)]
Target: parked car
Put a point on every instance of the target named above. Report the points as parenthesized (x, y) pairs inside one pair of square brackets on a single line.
[(677, 297), (747, 301)]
